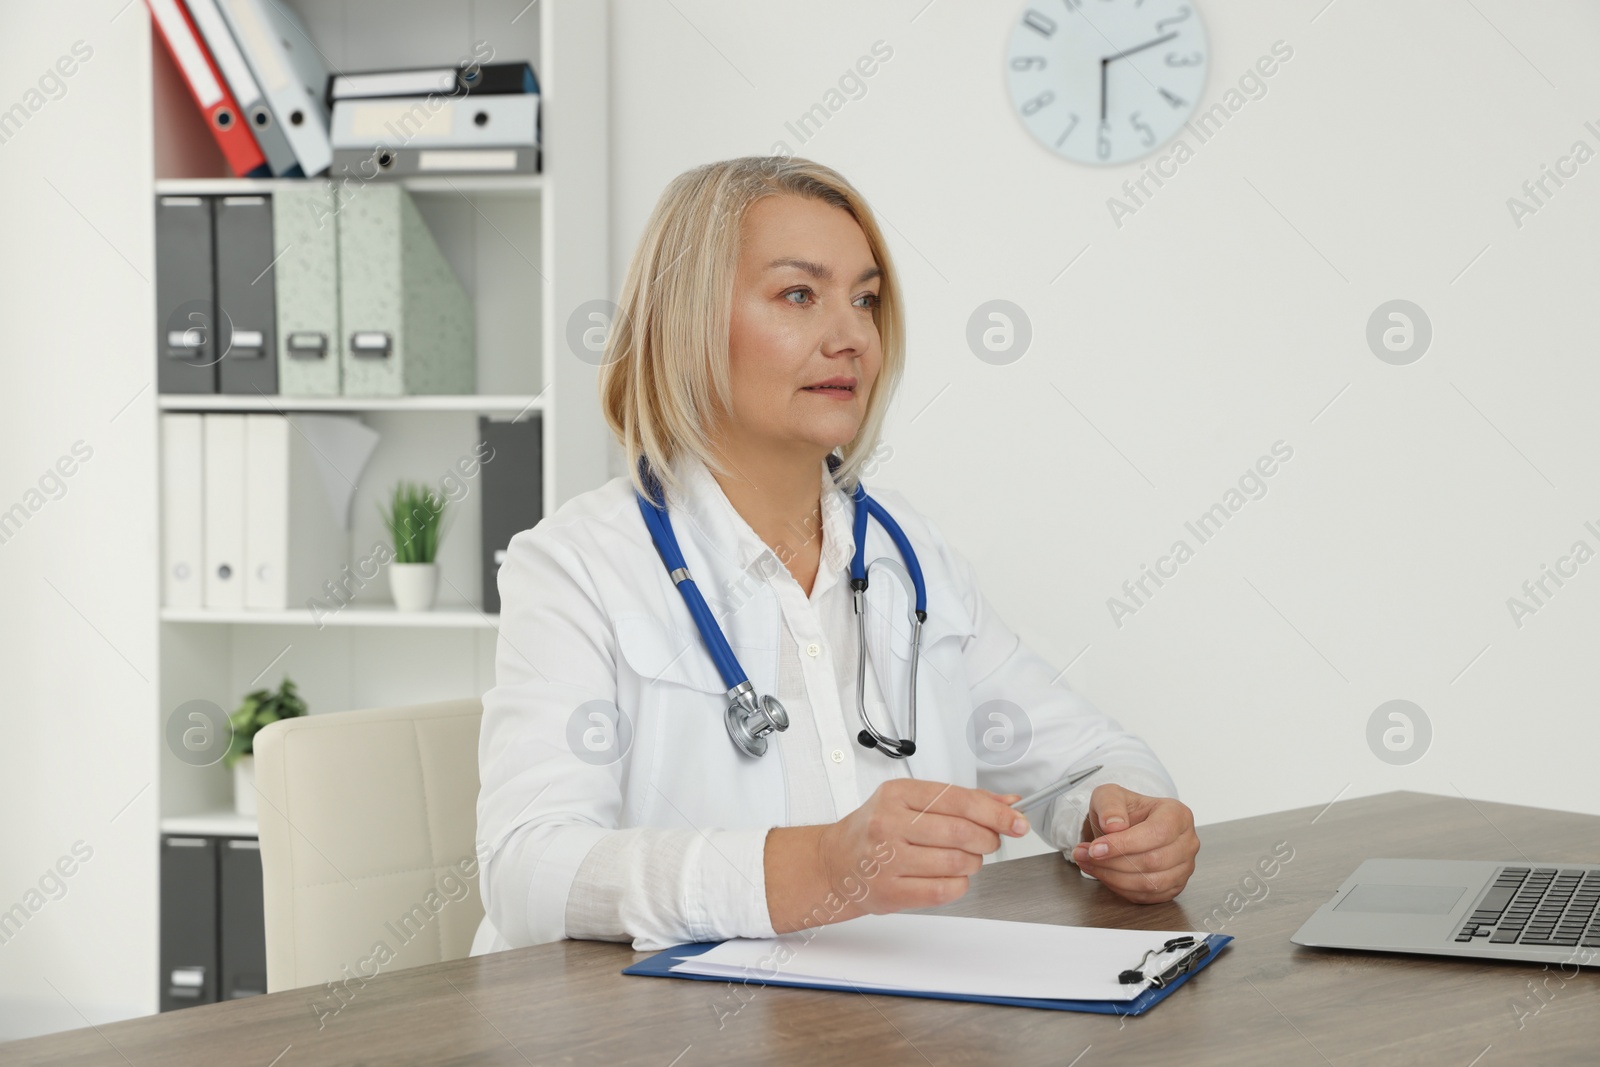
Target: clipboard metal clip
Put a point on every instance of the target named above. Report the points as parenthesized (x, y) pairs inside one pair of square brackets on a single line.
[(1181, 966)]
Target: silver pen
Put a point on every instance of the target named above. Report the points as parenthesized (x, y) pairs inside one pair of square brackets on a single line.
[(1050, 792)]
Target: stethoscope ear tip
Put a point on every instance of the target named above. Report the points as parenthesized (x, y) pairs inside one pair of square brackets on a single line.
[(900, 749)]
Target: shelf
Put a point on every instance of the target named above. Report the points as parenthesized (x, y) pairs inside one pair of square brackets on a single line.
[(444, 619), (222, 823), (476, 184), (466, 184), (521, 405)]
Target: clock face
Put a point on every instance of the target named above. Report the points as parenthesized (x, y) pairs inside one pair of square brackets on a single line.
[(1106, 81)]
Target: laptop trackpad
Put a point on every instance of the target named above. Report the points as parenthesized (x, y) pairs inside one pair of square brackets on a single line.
[(1402, 899)]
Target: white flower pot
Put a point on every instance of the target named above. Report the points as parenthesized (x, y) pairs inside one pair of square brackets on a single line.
[(413, 585), (244, 786)]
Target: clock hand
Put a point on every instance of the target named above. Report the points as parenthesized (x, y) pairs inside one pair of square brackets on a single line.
[(1138, 48), (1105, 63)]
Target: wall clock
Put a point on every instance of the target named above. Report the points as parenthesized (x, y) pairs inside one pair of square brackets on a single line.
[(1106, 81)]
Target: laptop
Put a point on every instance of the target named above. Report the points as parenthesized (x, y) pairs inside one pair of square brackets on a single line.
[(1541, 912)]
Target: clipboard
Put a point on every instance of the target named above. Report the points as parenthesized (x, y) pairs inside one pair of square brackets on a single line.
[(1170, 979)]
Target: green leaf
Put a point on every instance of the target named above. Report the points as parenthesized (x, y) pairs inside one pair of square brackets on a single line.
[(258, 709), (414, 521)]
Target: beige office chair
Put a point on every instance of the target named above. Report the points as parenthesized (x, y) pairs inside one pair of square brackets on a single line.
[(368, 821)]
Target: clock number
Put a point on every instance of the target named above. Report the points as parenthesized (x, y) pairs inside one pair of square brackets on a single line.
[(1161, 24), (1066, 132), (1149, 137), (1043, 25), (1057, 76)]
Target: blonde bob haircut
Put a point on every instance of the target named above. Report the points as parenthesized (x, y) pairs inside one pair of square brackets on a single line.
[(664, 381)]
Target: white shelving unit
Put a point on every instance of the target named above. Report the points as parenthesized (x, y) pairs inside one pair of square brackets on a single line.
[(352, 616), (211, 824), (461, 184), (529, 250), (519, 406)]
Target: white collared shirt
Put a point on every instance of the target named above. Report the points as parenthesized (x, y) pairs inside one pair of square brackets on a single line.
[(613, 804)]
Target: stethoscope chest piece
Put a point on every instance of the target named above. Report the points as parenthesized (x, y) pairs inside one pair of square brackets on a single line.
[(750, 719)]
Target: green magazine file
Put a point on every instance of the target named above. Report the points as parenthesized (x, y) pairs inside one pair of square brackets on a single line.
[(408, 324), (304, 237)]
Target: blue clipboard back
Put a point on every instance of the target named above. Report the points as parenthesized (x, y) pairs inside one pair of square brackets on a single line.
[(660, 966)]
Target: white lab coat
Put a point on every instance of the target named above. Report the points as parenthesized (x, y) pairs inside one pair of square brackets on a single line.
[(588, 613)]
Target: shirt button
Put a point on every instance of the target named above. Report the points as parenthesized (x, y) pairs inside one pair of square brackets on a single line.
[(838, 755), (813, 650)]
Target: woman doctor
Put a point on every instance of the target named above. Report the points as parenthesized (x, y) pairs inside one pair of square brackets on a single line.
[(760, 332)]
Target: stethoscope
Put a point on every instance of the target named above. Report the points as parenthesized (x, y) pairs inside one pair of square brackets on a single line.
[(750, 719)]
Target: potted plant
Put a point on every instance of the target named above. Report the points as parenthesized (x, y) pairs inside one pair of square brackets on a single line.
[(255, 711), (414, 519)]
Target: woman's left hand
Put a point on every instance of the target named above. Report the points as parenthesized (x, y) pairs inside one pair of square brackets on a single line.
[(1142, 848)]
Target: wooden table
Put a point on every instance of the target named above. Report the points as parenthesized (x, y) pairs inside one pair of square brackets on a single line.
[(1263, 1001)]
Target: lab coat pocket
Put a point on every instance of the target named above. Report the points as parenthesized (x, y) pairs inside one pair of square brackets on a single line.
[(659, 653), (944, 695), (943, 634), (685, 771)]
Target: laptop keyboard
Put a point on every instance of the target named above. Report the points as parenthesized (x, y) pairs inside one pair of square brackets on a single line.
[(1538, 906)]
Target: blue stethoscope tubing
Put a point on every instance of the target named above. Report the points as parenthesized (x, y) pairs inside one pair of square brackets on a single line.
[(750, 719)]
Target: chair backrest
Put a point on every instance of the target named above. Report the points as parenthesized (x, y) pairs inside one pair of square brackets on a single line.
[(368, 821)]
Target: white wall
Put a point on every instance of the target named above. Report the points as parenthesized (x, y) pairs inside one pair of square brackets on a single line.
[(78, 579), (1220, 318)]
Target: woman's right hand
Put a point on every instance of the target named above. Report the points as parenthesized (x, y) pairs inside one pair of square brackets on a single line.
[(913, 844)]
